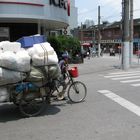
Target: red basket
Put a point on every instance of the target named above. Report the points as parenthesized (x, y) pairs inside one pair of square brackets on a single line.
[(73, 72)]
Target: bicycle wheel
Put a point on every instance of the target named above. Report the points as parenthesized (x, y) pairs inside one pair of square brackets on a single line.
[(32, 107), (77, 92)]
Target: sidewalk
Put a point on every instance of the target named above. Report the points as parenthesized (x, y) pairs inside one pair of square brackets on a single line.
[(105, 63)]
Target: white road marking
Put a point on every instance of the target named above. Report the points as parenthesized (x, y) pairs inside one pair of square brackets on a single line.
[(130, 81), (121, 78), (121, 75), (135, 85), (121, 101), (124, 72)]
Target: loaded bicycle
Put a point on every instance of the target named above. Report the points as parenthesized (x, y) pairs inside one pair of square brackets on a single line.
[(76, 90), (27, 79), (31, 98)]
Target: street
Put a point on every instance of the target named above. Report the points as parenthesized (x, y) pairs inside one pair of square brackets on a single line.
[(111, 110)]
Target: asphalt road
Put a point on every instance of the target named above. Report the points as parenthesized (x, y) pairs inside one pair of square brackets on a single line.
[(110, 111)]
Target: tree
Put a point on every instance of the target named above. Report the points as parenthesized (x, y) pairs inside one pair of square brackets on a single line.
[(61, 43), (55, 43)]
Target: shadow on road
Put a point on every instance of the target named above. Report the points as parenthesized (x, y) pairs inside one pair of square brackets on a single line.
[(10, 112)]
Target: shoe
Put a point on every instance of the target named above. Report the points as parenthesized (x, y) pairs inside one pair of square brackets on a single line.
[(60, 97)]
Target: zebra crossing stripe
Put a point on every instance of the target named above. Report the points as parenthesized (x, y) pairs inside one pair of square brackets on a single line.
[(129, 77), (130, 81), (135, 85), (121, 101), (122, 75), (124, 72)]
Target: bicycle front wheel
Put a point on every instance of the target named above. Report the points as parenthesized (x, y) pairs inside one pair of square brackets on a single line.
[(77, 92)]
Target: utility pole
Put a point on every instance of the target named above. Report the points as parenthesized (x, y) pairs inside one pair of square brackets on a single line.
[(122, 33), (81, 33), (125, 37), (131, 31), (94, 34), (99, 34), (81, 37)]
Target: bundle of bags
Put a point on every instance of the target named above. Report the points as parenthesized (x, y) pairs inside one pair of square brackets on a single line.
[(17, 64), (42, 54), (4, 95)]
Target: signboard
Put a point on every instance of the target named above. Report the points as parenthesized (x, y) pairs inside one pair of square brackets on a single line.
[(61, 4), (111, 41)]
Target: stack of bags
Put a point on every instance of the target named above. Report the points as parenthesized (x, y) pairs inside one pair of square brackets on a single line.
[(44, 62), (18, 64)]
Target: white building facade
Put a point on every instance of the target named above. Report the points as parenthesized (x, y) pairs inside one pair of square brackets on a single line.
[(73, 18), (27, 17)]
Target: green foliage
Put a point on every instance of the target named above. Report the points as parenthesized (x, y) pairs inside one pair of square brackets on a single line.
[(61, 43), (55, 43)]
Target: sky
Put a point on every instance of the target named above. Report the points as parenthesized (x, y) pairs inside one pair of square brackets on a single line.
[(110, 10)]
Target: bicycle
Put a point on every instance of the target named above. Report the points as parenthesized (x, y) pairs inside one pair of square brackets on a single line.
[(76, 90)]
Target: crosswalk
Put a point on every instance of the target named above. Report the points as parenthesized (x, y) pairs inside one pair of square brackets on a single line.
[(121, 101), (131, 77)]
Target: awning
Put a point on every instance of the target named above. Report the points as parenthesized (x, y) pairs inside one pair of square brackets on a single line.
[(86, 44)]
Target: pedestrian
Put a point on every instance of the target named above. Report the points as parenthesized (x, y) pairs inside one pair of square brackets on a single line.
[(88, 53)]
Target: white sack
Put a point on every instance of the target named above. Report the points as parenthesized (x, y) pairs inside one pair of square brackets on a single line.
[(9, 77), (10, 46), (44, 60), (43, 54), (40, 49), (8, 60), (23, 61), (4, 95), (18, 62)]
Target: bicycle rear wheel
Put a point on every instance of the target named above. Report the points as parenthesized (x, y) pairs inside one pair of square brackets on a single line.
[(32, 107), (77, 92)]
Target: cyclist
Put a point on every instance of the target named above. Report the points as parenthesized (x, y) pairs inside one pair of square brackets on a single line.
[(63, 64)]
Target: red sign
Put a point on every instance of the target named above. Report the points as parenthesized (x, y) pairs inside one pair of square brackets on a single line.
[(68, 7)]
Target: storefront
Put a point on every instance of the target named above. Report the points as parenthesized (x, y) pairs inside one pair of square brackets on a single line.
[(25, 17)]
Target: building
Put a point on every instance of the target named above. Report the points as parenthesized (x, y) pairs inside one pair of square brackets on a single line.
[(73, 18), (111, 34), (25, 17)]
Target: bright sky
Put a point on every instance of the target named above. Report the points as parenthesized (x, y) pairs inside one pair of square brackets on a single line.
[(110, 10)]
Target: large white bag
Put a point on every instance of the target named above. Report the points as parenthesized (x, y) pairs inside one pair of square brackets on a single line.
[(8, 60), (44, 60), (23, 61), (4, 95), (18, 62), (43, 54), (9, 77), (10, 46), (41, 49)]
